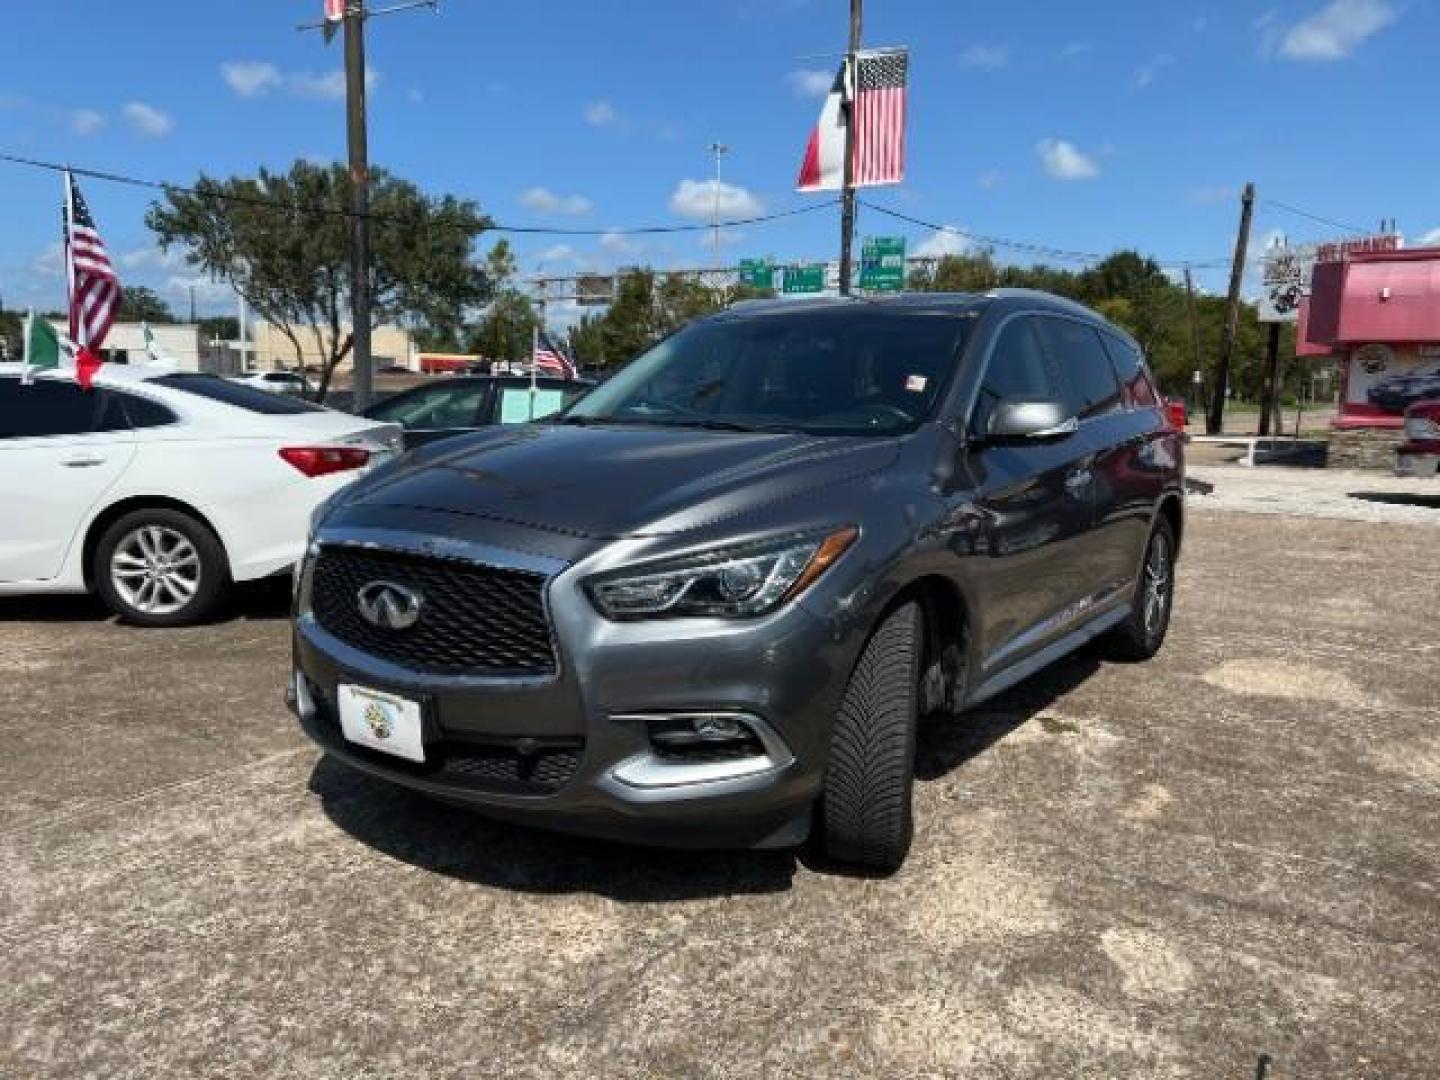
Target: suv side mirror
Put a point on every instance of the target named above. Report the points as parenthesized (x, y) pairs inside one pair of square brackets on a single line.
[(1030, 420)]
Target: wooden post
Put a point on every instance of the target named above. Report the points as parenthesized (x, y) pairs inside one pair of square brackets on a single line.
[(362, 383), (1269, 392), (1194, 330), (1215, 419)]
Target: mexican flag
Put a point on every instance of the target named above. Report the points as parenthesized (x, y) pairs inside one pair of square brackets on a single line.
[(42, 346)]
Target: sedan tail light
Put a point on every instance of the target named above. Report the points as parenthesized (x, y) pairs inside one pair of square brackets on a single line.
[(324, 460)]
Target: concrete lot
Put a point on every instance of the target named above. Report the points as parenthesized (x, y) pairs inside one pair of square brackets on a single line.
[(1120, 871)]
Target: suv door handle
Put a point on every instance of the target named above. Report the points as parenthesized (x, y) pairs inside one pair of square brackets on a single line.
[(1078, 480), (82, 461)]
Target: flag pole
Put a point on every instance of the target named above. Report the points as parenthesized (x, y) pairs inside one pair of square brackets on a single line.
[(847, 195), (25, 368), (67, 215), (534, 348)]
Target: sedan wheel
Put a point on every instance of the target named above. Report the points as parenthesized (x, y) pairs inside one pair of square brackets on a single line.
[(160, 567), (156, 570)]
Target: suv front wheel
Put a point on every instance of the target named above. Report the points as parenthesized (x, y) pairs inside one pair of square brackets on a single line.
[(865, 807)]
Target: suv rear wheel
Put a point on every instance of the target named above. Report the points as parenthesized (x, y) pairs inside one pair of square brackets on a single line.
[(1142, 633), (160, 567), (865, 807)]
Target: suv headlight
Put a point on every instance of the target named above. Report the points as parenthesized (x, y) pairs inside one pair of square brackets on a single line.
[(737, 582)]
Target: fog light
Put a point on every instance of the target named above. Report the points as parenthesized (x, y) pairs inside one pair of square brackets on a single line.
[(719, 727)]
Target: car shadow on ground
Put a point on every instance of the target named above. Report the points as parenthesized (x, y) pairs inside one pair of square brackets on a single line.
[(1399, 498), (251, 600), (460, 844)]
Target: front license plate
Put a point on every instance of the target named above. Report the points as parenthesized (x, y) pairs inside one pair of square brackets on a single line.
[(381, 721)]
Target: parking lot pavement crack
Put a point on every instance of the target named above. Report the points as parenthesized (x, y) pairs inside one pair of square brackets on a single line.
[(98, 808)]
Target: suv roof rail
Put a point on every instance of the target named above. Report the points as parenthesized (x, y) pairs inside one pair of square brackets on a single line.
[(1049, 297)]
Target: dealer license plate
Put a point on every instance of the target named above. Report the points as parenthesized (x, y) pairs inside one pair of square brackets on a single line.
[(381, 721)]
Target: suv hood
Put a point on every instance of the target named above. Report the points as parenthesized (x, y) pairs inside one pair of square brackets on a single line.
[(617, 481)]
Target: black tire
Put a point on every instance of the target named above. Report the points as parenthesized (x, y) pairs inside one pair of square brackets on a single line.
[(865, 806), (123, 595), (1142, 633)]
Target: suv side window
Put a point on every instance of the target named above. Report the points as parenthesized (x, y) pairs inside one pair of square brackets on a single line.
[(47, 407), (1017, 369), (1140, 392), (1087, 379)]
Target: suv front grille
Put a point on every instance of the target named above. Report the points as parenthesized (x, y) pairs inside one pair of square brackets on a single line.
[(475, 619)]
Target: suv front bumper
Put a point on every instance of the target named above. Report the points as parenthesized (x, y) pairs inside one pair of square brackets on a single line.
[(573, 750)]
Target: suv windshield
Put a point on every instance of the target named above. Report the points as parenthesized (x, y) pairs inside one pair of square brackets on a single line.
[(839, 370)]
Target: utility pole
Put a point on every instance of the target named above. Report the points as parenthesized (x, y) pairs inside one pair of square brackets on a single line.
[(1215, 419), (192, 305), (1269, 392), (847, 195), (363, 379), (719, 149), (354, 16), (1194, 330)]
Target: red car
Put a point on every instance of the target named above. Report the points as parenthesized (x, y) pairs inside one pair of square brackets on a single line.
[(1420, 454)]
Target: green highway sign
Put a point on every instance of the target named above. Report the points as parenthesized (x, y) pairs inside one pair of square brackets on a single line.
[(805, 279), (757, 273), (882, 263)]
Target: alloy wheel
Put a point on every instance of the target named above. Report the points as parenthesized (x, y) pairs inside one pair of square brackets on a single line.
[(1158, 584), (155, 569)]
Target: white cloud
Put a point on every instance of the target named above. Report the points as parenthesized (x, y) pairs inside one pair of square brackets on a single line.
[(984, 57), (1431, 237), (206, 288), (1064, 161), (600, 114), (1147, 72), (251, 78), (50, 262), (153, 257), (544, 201), (618, 243), (1076, 48), (810, 83), (560, 254), (1209, 196), (941, 242), (86, 121), (697, 199), (990, 179), (148, 120), (1336, 30)]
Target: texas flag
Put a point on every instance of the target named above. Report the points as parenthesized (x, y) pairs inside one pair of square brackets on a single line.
[(870, 94), (334, 16)]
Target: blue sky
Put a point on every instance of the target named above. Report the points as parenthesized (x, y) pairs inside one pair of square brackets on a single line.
[(1035, 121)]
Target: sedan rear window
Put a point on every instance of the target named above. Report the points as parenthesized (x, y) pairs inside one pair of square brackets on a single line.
[(241, 396)]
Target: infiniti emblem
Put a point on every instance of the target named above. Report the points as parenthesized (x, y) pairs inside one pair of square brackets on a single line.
[(390, 605)]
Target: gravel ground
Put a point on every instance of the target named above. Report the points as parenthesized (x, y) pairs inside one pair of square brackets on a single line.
[(1157, 870), (1349, 495)]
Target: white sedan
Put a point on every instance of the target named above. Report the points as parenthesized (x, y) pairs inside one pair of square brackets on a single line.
[(277, 382), (157, 489)]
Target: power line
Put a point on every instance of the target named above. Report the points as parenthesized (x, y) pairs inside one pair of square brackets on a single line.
[(1278, 205), (1062, 254), (332, 211)]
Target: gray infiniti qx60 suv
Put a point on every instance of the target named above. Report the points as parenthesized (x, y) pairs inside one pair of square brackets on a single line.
[(708, 604)]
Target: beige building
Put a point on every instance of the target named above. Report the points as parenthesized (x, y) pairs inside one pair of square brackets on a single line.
[(175, 343), (271, 349)]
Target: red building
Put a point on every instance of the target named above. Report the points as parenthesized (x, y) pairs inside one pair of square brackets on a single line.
[(1378, 312)]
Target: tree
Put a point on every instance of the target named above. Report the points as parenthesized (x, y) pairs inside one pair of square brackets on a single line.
[(12, 330), (140, 304), (507, 329), (221, 327), (281, 240)]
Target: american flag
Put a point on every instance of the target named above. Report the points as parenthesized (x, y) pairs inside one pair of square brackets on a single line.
[(93, 286), (546, 359), (879, 116)]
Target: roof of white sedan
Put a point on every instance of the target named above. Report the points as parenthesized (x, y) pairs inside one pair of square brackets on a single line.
[(116, 374)]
